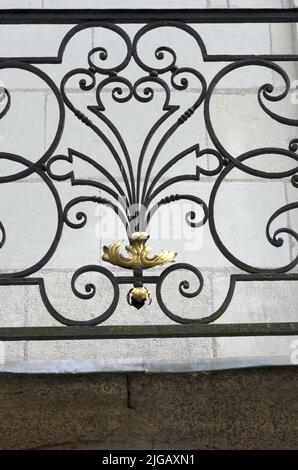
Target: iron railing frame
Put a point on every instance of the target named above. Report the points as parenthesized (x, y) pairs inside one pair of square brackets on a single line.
[(186, 328)]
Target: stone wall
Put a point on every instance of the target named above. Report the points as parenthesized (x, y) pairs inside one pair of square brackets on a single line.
[(248, 409)]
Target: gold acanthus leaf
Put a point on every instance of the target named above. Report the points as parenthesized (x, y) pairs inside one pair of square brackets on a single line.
[(137, 254)]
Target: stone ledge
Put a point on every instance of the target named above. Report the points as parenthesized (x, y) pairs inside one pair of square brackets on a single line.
[(249, 409), (88, 366)]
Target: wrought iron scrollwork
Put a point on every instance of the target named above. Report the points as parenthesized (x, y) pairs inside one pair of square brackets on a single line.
[(142, 193)]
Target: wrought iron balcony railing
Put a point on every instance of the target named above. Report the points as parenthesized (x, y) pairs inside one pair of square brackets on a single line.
[(136, 202)]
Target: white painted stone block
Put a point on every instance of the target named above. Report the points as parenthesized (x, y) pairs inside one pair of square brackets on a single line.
[(27, 213), (22, 128), (19, 40), (242, 211), (292, 194), (22, 4), (121, 350), (130, 350), (252, 303), (217, 4), (13, 313), (282, 35), (283, 42), (256, 4), (74, 56), (128, 4), (249, 127), (13, 306), (235, 38), (257, 346), (82, 246), (257, 301), (12, 351)]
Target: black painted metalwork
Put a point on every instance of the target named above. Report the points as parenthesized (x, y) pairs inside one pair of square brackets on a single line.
[(137, 202)]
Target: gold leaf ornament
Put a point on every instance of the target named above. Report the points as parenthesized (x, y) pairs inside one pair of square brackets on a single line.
[(138, 253), (137, 296)]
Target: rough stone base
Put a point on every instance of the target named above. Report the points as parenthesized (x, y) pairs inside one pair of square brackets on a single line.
[(249, 409)]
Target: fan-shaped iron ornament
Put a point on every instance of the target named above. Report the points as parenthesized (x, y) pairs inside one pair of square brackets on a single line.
[(143, 190)]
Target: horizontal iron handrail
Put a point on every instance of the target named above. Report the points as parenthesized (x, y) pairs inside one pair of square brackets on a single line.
[(41, 333), (139, 16)]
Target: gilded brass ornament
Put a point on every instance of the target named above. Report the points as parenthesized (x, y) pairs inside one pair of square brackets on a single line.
[(137, 297), (137, 259), (137, 254)]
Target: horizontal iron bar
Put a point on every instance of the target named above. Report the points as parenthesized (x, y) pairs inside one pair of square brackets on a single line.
[(147, 331), (209, 58), (146, 15)]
